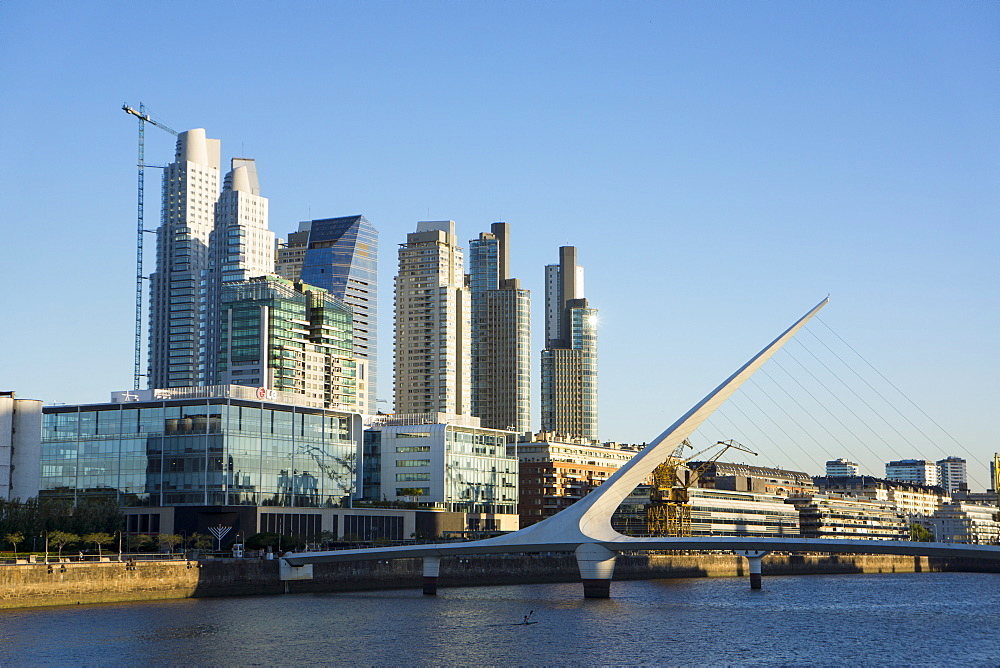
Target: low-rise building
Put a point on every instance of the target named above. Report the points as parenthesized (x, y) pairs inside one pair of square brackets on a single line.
[(445, 462), (958, 522), (716, 512), (842, 516), (557, 471), (911, 499), (756, 479)]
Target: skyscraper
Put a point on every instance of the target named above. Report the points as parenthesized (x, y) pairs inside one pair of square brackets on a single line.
[(569, 361), (432, 364), (177, 308), (340, 255), (241, 247), (501, 341), (205, 240)]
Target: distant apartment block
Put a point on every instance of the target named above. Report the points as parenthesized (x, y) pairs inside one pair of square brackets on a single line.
[(558, 471), (953, 474), (917, 471), (840, 468)]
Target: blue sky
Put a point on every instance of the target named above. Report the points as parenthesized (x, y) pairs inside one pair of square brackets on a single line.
[(720, 166)]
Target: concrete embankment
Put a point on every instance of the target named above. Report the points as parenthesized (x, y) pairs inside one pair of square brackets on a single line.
[(31, 585)]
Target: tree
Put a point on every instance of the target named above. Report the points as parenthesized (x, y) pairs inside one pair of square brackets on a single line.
[(99, 539), (920, 533), (168, 541), (61, 539), (141, 541), (14, 539), (200, 541)]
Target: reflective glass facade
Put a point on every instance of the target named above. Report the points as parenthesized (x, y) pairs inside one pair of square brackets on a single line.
[(341, 256), (215, 451)]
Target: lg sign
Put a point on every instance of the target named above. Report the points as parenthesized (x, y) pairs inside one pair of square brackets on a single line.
[(265, 394)]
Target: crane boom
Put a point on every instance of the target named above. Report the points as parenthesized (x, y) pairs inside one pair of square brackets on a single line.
[(143, 119)]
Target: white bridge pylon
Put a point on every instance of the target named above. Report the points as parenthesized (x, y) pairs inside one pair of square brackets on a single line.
[(585, 527)]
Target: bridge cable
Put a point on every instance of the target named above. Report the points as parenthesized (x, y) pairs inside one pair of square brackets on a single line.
[(789, 415), (822, 426), (764, 433), (821, 404), (902, 394), (743, 438), (849, 409), (782, 429)]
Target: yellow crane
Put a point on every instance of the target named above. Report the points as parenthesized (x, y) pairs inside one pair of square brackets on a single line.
[(668, 512)]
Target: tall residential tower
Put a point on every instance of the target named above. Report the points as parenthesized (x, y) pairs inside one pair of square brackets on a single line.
[(569, 361), (177, 307), (501, 335), (432, 364)]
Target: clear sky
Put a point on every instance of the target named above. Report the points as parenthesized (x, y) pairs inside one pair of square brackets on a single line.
[(721, 167)]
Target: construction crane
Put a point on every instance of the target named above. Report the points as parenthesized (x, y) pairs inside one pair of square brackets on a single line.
[(668, 512), (143, 119)]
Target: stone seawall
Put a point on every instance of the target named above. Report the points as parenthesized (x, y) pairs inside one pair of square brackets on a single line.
[(31, 585)]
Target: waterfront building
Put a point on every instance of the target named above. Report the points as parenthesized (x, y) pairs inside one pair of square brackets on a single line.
[(841, 468), (178, 317), (719, 512), (758, 479), (20, 446), (569, 360), (845, 516), (952, 474), (189, 458), (293, 338), (918, 471), (558, 471), (340, 255), (912, 500), (501, 335), (446, 463), (958, 522), (432, 357)]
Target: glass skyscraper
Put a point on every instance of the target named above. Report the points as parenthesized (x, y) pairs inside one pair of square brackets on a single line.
[(340, 255), (501, 341), (569, 361)]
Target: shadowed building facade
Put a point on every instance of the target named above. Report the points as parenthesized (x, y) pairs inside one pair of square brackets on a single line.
[(501, 335)]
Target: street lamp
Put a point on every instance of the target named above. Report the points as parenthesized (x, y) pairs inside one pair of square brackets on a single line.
[(183, 535), (46, 544)]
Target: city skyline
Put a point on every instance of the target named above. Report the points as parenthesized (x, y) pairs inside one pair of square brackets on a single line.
[(858, 162)]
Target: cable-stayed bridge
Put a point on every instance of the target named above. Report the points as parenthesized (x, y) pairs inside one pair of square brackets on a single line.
[(585, 527)]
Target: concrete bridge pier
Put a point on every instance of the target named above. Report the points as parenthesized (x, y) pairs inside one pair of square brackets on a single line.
[(597, 565), (754, 557), (432, 567)]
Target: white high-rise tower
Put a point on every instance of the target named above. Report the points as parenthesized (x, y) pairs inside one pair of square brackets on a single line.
[(432, 363), (177, 312)]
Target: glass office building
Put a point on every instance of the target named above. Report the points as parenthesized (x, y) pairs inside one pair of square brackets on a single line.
[(206, 446)]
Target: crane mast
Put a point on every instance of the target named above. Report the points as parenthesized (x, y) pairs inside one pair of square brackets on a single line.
[(143, 119)]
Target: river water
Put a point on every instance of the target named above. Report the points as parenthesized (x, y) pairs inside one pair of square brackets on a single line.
[(831, 620)]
